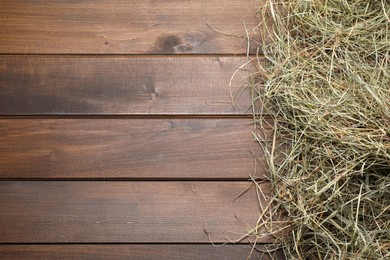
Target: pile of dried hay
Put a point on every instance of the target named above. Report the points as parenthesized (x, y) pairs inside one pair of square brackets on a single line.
[(324, 80)]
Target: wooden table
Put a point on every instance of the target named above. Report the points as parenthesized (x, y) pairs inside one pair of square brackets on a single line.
[(122, 131)]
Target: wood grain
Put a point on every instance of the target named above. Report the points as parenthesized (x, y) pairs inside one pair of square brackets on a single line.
[(126, 212), (127, 148), (125, 26), (135, 252), (63, 85)]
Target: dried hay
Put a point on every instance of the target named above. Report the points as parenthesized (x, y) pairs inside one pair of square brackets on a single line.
[(324, 80)]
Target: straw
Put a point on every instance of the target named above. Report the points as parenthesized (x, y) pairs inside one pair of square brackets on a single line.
[(324, 81)]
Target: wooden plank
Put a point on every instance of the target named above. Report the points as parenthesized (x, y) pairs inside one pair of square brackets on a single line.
[(125, 212), (63, 85), (125, 26), (136, 252), (127, 148)]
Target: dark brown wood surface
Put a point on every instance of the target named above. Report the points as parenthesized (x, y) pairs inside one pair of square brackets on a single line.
[(68, 85), (125, 26), (107, 212), (135, 252), (127, 148), (122, 134)]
